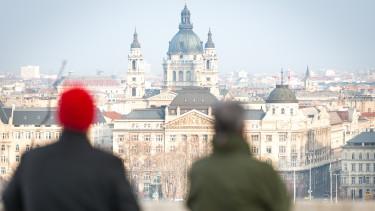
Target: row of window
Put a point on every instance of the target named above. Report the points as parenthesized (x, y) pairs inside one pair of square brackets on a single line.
[(360, 156), (17, 147), (283, 111), (282, 149), (136, 137), (359, 180), (282, 137), (146, 125), (159, 148), (361, 167), (30, 135)]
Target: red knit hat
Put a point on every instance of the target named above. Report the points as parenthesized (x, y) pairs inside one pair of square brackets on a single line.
[(76, 109)]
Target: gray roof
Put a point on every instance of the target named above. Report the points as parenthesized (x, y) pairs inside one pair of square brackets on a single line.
[(185, 41), (135, 43), (41, 116), (34, 116), (148, 113), (363, 139), (282, 94), (254, 114), (209, 43), (193, 97), (5, 114)]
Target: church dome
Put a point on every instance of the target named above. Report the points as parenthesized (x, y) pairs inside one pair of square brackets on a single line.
[(282, 94), (185, 41)]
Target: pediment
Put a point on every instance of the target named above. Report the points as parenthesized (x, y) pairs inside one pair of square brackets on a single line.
[(163, 96), (191, 120)]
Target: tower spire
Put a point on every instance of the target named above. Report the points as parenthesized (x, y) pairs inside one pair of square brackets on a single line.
[(209, 43), (308, 73), (135, 43), (282, 76), (185, 19)]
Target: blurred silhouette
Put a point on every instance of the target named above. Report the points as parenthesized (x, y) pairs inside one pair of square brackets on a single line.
[(230, 178), (70, 174)]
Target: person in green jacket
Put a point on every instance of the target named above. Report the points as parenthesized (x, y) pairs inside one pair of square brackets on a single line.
[(230, 179)]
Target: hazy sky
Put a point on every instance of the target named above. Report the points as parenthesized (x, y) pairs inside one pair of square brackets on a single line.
[(255, 35)]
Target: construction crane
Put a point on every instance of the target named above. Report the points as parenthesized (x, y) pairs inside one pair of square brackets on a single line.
[(59, 76)]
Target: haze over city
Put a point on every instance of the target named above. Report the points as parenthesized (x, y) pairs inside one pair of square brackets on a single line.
[(256, 36)]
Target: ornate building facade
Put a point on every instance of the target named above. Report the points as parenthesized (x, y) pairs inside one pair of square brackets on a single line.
[(135, 81), (22, 129), (188, 63), (158, 145)]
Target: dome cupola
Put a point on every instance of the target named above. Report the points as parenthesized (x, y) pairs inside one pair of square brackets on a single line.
[(135, 43), (209, 43), (185, 41)]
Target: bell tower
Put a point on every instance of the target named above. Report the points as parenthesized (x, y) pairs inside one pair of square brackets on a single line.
[(209, 74), (135, 80)]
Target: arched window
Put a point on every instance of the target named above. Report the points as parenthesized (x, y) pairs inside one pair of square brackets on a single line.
[(174, 76), (208, 64), (283, 111), (134, 64), (180, 76), (353, 156), (188, 76), (360, 156), (134, 91), (368, 157)]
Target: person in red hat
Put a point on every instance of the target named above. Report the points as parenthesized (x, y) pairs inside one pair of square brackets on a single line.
[(70, 174)]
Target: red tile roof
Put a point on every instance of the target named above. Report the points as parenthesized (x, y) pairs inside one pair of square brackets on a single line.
[(112, 115), (368, 114)]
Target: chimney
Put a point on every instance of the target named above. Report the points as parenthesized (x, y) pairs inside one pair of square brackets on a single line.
[(209, 111)]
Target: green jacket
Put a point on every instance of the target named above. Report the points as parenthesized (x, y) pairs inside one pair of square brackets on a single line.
[(232, 180)]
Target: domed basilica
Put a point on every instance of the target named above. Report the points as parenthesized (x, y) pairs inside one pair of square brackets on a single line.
[(188, 63)]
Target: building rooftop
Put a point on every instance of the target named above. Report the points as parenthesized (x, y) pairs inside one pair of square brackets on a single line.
[(363, 139), (193, 97), (254, 114), (146, 114), (36, 116), (185, 41), (282, 94), (335, 118)]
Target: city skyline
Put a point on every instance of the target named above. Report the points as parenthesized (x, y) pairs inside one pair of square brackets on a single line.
[(255, 36)]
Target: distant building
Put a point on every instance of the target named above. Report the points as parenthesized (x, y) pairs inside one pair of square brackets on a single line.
[(135, 82), (308, 83), (159, 144), (30, 72), (188, 63), (358, 168), (22, 129), (104, 88)]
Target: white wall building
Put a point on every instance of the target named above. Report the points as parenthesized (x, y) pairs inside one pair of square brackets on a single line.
[(30, 72)]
